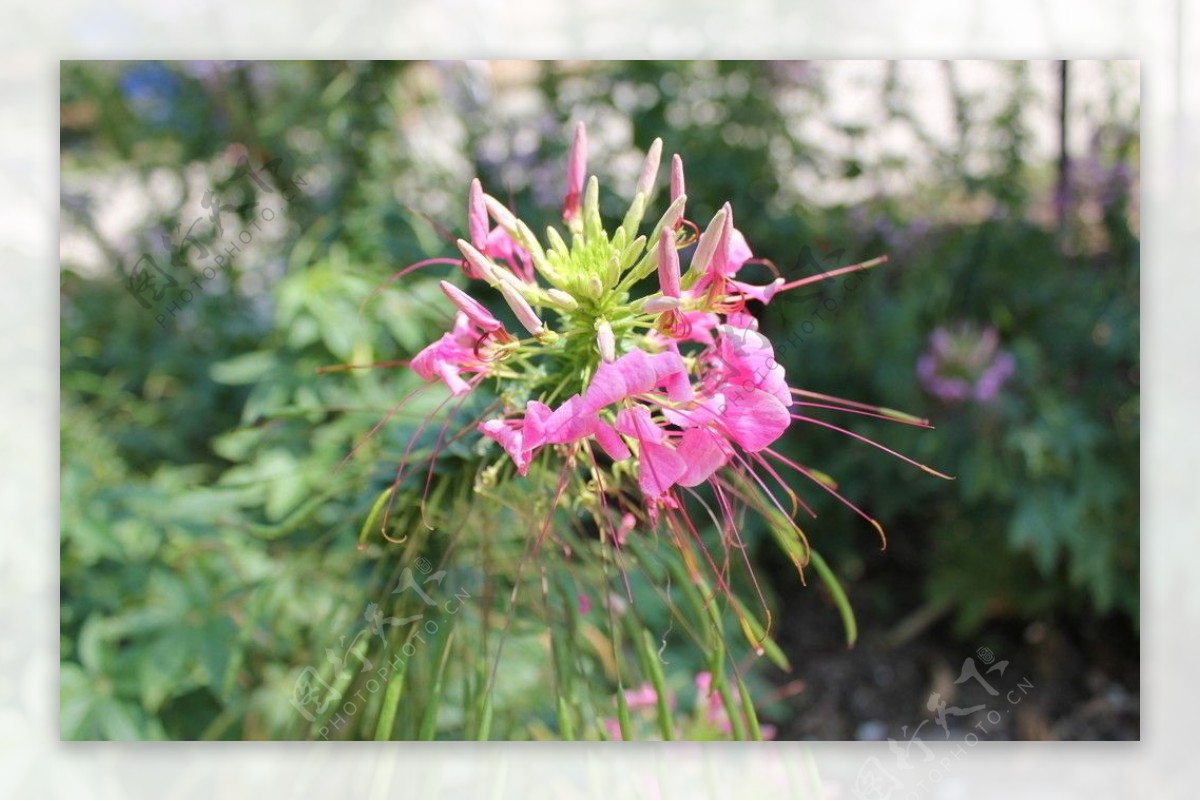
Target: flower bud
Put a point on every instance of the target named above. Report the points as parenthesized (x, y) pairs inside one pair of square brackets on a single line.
[(660, 305), (708, 244), (522, 309), (668, 264), (479, 266), (500, 213), (474, 310), (677, 187), (645, 184), (477, 221), (605, 341), (562, 299), (576, 175)]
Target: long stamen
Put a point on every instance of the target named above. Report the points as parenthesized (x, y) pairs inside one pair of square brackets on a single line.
[(853, 268), (890, 418), (397, 276), (809, 474), (388, 416), (899, 417), (334, 368), (861, 438)]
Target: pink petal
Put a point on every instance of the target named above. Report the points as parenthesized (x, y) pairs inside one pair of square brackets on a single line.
[(702, 452), (763, 294), (511, 439), (751, 364), (631, 374), (448, 373), (661, 468), (696, 415), (671, 373), (754, 419), (611, 442), (741, 319), (643, 696), (536, 416), (637, 423), (739, 252), (569, 422)]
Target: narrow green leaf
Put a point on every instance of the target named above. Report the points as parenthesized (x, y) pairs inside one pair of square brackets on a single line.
[(434, 701), (391, 703), (839, 597), (748, 710), (654, 670)]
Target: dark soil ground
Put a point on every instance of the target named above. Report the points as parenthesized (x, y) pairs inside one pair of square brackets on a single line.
[(1066, 679)]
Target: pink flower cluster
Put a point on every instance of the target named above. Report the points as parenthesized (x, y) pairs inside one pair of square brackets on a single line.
[(671, 387), (683, 433), (682, 416)]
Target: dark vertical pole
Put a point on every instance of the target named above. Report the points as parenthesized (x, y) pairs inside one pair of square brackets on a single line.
[(1064, 165)]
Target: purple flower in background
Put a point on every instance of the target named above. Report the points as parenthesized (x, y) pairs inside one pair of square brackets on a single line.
[(964, 363)]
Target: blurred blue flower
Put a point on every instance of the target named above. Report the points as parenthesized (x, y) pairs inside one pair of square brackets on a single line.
[(151, 90)]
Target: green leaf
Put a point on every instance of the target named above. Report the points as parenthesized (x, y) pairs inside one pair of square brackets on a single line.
[(249, 368), (216, 639)]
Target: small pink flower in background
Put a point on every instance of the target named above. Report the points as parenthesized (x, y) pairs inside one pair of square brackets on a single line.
[(965, 363), (711, 707), (641, 697)]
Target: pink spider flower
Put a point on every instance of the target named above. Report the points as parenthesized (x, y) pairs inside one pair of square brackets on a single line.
[(457, 352), (646, 405)]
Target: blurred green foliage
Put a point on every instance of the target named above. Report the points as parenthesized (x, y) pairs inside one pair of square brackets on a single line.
[(210, 519)]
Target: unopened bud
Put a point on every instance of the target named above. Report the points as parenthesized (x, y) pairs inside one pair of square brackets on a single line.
[(474, 310), (576, 175), (479, 266), (500, 213), (605, 341), (594, 287), (563, 300), (707, 244), (677, 188), (477, 221), (645, 184), (668, 263), (522, 309), (661, 304)]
